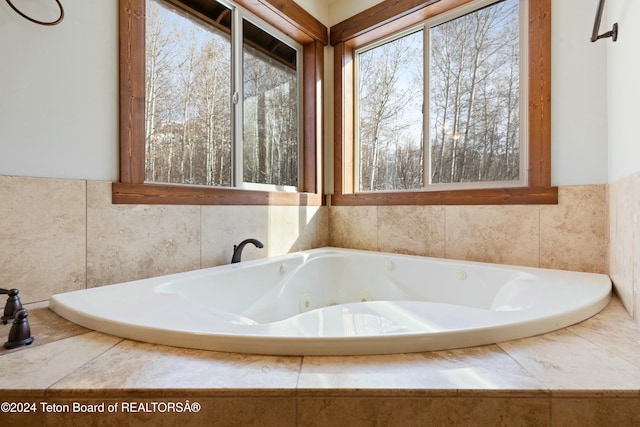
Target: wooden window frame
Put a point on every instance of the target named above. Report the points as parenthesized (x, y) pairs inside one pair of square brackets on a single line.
[(387, 18), (287, 17)]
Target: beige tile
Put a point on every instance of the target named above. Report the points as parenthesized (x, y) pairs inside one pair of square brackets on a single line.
[(624, 241), (636, 245), (595, 412), (564, 360), (136, 365), (415, 230), (408, 411), (573, 233), (497, 234), (486, 411), (225, 226), (354, 227), (39, 367), (43, 236), (613, 329), (35, 416), (45, 326), (245, 411), (623, 216), (129, 242), (138, 411), (293, 228), (320, 216), (484, 368), (311, 223), (286, 224)]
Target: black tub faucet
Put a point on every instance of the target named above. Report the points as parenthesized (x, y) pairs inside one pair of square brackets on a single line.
[(237, 249), (20, 333), (13, 304)]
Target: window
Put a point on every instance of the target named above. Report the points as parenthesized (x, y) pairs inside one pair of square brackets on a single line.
[(270, 109), (228, 103), (472, 125), (390, 88), (188, 94), (192, 111), (440, 101)]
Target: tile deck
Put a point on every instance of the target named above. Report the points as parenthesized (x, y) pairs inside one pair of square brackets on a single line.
[(581, 375)]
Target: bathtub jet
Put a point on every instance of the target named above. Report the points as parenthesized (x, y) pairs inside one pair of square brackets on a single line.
[(333, 301)]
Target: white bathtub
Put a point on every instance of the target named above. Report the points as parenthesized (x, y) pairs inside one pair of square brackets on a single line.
[(339, 302)]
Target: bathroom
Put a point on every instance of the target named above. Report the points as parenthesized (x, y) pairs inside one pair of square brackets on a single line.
[(59, 156)]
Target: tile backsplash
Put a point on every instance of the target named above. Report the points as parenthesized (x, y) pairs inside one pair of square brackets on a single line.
[(43, 246), (571, 235), (61, 235), (624, 241)]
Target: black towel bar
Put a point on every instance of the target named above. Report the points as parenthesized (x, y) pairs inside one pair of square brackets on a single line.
[(57, 21), (596, 26)]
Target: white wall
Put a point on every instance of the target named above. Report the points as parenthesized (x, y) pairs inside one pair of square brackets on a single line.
[(341, 10), (59, 90), (578, 96), (623, 63)]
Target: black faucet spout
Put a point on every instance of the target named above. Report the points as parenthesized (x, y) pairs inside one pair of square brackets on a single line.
[(237, 249)]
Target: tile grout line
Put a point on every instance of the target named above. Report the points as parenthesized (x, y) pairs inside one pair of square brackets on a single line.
[(200, 234), (296, 394), (50, 387), (444, 228), (86, 234), (377, 228), (539, 236), (517, 362)]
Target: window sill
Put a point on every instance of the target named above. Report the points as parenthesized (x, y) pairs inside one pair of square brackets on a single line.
[(493, 196), (168, 194)]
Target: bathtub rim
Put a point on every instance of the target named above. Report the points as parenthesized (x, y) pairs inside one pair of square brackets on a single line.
[(356, 345)]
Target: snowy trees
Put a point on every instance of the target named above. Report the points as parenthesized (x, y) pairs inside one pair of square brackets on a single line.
[(474, 98), (189, 112)]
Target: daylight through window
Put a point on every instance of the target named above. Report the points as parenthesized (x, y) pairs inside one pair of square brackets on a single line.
[(458, 83), (222, 98)]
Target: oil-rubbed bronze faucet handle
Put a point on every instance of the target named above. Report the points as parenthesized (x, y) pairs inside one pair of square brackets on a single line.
[(13, 304), (20, 333)]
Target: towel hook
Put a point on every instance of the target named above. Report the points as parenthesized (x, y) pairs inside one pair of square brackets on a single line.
[(57, 21), (596, 26)]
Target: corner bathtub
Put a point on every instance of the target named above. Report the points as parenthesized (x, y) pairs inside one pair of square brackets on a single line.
[(339, 302)]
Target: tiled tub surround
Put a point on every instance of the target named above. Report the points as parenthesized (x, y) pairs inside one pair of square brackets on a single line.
[(311, 303), (61, 235), (624, 241), (584, 375), (571, 235)]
